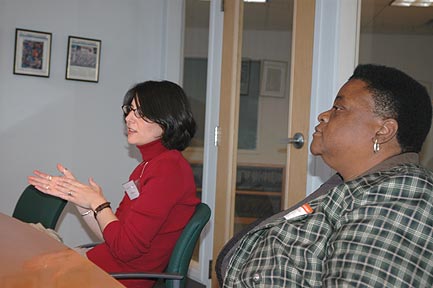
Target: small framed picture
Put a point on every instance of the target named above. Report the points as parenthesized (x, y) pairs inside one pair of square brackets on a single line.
[(83, 59), (273, 78), (245, 77), (32, 53)]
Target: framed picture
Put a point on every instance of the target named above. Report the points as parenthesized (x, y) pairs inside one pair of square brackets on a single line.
[(32, 53), (273, 81), (83, 59), (245, 77)]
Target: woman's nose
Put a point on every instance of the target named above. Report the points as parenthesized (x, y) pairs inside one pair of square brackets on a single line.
[(128, 117), (324, 116)]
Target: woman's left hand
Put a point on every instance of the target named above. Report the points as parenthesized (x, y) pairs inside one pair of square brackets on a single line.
[(68, 188)]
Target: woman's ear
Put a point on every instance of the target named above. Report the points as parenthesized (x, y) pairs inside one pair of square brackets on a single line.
[(388, 131)]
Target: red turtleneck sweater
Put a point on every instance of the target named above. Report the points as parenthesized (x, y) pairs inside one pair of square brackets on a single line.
[(149, 226)]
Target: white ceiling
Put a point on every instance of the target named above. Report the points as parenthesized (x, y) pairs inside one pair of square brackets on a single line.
[(377, 16)]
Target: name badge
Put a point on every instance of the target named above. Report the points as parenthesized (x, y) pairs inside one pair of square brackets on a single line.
[(303, 210), (131, 189)]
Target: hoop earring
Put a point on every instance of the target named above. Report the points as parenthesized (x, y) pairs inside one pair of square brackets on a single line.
[(376, 146)]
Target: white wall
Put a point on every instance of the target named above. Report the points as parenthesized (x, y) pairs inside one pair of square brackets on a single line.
[(410, 53), (44, 121), (334, 58), (413, 55)]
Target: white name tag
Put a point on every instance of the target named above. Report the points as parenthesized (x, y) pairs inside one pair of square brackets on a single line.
[(303, 210), (131, 189)]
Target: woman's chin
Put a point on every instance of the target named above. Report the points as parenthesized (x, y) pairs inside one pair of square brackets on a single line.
[(131, 141), (314, 149)]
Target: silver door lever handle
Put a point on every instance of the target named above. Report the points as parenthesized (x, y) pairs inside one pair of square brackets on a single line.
[(297, 140)]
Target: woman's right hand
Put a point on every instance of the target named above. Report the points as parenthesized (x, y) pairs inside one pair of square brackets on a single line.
[(67, 187), (65, 172), (49, 184)]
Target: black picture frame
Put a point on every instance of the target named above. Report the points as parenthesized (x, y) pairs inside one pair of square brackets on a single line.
[(32, 53), (245, 77), (83, 59)]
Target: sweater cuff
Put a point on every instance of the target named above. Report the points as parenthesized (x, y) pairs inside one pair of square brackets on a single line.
[(110, 231)]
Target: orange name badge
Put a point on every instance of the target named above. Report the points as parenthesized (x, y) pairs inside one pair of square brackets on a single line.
[(302, 210)]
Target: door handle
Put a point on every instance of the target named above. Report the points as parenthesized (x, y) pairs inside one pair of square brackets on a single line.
[(297, 140)]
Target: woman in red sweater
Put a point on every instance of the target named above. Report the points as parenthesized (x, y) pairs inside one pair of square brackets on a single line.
[(160, 196)]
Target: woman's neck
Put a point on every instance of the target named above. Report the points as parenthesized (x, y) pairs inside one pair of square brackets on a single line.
[(386, 164), (151, 150)]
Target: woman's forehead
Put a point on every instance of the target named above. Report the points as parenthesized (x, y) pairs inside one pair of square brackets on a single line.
[(356, 92)]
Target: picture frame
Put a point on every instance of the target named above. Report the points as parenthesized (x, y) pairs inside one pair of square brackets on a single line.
[(83, 59), (273, 82), (245, 77), (32, 53)]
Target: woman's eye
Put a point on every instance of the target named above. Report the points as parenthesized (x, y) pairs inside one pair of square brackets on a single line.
[(336, 107)]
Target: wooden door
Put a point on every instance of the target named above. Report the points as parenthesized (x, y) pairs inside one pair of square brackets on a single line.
[(298, 119)]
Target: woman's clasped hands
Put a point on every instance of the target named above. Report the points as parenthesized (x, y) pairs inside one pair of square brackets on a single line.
[(67, 187)]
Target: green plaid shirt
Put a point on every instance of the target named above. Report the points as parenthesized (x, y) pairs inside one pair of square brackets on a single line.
[(374, 231)]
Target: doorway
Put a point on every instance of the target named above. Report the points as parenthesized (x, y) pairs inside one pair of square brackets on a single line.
[(256, 175), (255, 109)]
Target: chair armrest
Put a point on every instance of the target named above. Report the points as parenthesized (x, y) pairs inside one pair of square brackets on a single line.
[(89, 245), (176, 278), (146, 275)]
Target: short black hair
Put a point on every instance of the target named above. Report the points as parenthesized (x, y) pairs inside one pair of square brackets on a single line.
[(398, 96), (165, 103)]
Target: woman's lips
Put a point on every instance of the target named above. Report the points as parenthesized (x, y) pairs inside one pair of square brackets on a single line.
[(131, 131), (317, 131)]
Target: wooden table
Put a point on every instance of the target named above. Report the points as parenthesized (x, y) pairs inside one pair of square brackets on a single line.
[(31, 258)]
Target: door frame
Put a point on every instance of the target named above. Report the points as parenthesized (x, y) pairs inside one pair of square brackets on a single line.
[(228, 127), (300, 98), (199, 271), (334, 59)]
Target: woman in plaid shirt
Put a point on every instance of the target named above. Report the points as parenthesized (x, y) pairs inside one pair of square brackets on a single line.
[(374, 227)]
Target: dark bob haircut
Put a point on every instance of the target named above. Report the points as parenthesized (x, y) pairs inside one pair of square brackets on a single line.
[(398, 96), (166, 104)]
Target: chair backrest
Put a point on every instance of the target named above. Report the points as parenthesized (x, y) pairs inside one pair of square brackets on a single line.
[(34, 206), (182, 253)]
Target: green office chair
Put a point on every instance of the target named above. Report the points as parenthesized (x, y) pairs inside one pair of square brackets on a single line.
[(34, 206), (178, 265)]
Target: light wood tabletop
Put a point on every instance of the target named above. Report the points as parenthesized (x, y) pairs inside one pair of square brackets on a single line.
[(31, 258)]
